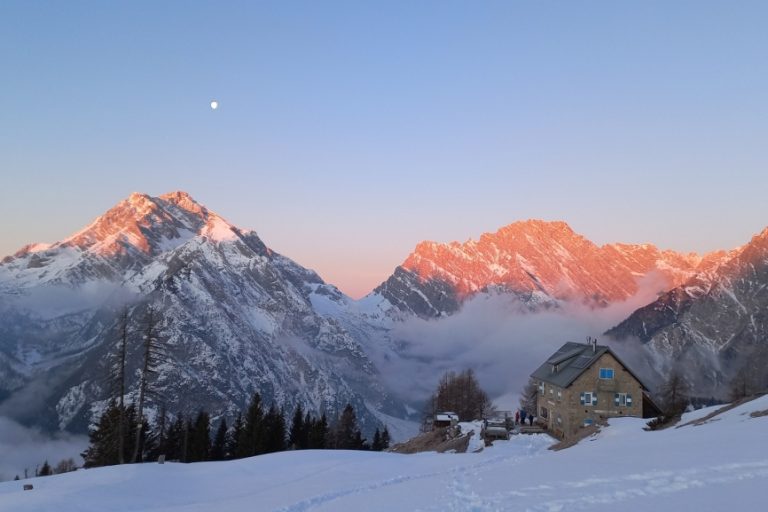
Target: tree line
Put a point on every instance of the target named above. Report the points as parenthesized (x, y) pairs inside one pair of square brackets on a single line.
[(255, 431), (124, 434)]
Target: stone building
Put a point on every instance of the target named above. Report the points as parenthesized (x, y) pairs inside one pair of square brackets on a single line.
[(583, 383)]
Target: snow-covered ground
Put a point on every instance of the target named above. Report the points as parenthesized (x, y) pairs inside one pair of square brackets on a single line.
[(721, 465)]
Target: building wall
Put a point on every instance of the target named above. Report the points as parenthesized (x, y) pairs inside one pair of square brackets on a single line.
[(572, 414)]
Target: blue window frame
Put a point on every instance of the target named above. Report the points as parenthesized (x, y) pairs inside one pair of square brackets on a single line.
[(606, 373)]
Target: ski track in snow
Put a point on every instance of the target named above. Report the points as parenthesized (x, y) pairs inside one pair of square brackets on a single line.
[(458, 471), (602, 491)]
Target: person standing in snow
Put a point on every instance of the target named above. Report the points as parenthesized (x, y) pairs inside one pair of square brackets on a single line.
[(530, 419), (522, 416), (517, 417)]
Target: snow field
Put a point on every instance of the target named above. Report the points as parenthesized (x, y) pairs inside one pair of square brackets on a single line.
[(716, 466)]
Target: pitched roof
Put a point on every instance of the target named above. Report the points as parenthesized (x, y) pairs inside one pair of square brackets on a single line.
[(571, 360)]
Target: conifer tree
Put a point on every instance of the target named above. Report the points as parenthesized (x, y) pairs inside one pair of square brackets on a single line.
[(233, 438), (160, 435), (199, 438), (297, 439), (319, 434), (175, 440), (219, 446), (376, 443), (104, 444), (45, 470), (122, 349), (273, 431), (346, 434), (251, 438), (385, 438), (150, 361)]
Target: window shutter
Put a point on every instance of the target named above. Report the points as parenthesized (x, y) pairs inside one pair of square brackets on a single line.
[(582, 398), (616, 399), (629, 400), (594, 398)]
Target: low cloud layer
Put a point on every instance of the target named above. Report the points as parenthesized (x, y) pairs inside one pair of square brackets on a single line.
[(502, 344), (22, 447)]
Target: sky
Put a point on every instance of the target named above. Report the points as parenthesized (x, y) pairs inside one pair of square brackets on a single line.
[(347, 132)]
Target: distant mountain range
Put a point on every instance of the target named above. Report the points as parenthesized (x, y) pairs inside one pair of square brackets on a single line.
[(715, 324), (238, 317), (540, 262)]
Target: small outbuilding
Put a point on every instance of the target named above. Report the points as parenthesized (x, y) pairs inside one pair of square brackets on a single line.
[(445, 419)]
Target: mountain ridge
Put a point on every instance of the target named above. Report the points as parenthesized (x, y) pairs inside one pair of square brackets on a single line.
[(237, 318), (538, 260)]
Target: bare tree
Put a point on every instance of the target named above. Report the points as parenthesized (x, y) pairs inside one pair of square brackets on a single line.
[(528, 397), (121, 383), (149, 365), (673, 393), (460, 393), (745, 383)]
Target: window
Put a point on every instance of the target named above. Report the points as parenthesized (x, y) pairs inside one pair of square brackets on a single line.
[(551, 391), (606, 373), (544, 412), (559, 420), (559, 395), (622, 400), (588, 422), (588, 398), (541, 388)]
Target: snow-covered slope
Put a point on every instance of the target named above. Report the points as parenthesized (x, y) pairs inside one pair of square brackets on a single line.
[(540, 262), (715, 324), (720, 465), (236, 318)]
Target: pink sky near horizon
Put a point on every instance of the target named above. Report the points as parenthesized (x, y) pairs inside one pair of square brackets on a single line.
[(348, 132)]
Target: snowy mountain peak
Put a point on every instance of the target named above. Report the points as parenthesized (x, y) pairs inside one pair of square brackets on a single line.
[(127, 237), (535, 260)]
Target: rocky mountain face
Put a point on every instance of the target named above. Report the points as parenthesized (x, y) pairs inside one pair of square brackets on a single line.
[(235, 317), (540, 262), (714, 325)]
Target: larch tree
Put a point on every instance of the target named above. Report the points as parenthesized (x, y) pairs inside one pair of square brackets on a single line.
[(150, 361)]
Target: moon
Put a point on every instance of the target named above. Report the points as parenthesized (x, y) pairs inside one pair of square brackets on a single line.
[(214, 104)]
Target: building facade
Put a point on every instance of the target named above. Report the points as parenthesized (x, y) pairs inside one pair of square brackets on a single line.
[(582, 384)]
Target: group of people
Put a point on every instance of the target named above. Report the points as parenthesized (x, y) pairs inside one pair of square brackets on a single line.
[(521, 415)]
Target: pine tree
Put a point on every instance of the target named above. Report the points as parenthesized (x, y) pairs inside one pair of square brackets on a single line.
[(385, 438), (121, 383), (346, 434), (376, 444), (251, 438), (160, 434), (175, 440), (297, 439), (199, 438), (131, 432), (319, 434), (150, 361), (274, 431), (45, 470), (219, 446), (104, 443), (233, 438)]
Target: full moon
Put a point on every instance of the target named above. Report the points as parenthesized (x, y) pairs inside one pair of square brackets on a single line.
[(214, 104)]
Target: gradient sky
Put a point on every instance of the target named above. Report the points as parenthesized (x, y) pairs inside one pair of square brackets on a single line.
[(349, 131)]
